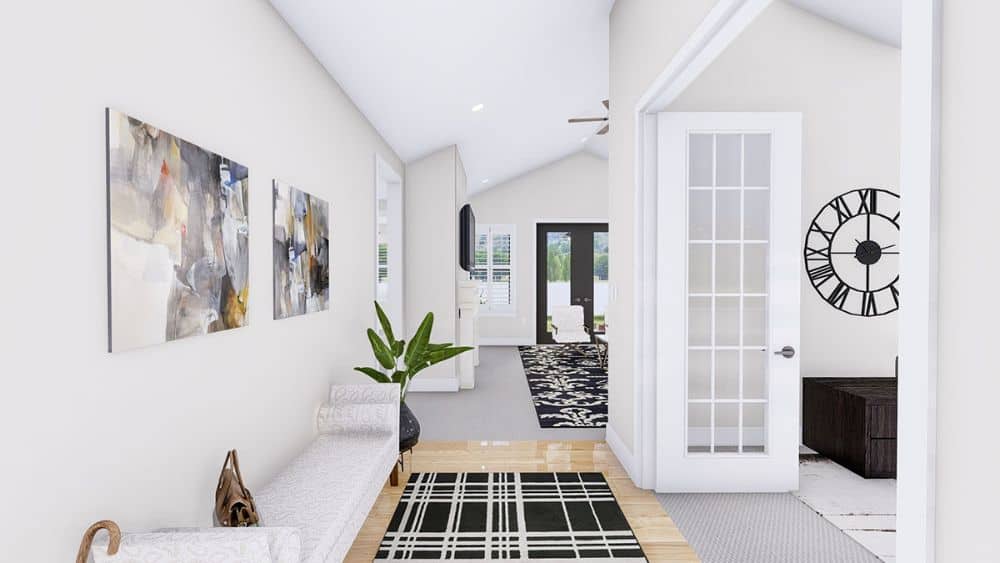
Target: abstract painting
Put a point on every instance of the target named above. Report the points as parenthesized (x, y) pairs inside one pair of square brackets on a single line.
[(178, 237), (301, 252)]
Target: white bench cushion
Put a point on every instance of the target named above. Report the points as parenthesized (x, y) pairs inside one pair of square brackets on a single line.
[(328, 491), (218, 545)]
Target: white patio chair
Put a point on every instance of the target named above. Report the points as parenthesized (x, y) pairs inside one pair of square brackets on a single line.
[(568, 327)]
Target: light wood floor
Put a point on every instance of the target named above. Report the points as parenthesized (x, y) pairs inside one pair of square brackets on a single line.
[(660, 538)]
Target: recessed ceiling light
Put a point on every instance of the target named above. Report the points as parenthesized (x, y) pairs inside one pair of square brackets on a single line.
[(478, 107), (584, 139), (486, 181)]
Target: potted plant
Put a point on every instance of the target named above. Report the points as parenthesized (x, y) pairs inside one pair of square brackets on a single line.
[(400, 362)]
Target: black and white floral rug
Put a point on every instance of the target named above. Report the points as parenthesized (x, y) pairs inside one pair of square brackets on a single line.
[(568, 385), (509, 517)]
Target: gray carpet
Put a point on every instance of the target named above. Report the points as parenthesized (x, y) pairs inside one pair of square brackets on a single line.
[(499, 408), (759, 528)]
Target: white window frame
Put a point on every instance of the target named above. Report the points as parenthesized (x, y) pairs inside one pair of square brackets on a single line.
[(490, 309)]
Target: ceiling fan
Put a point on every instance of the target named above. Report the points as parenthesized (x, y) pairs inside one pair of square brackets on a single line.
[(600, 131)]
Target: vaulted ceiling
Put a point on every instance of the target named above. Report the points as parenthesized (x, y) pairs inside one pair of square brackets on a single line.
[(417, 69), (879, 19)]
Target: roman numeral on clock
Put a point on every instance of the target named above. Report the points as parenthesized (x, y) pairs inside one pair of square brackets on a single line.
[(839, 295), (828, 235), (869, 307), (818, 253), (842, 208), (820, 274), (869, 201)]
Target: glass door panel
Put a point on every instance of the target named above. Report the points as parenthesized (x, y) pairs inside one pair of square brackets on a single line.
[(728, 228), (559, 261), (600, 280)]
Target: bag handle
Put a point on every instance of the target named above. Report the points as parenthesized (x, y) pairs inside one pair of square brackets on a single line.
[(88, 538), (236, 467), (222, 472)]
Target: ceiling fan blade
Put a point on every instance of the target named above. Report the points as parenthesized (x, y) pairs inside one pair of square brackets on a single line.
[(604, 129), (586, 119), (606, 104)]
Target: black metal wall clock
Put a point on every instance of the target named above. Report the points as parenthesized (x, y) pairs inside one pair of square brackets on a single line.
[(852, 252)]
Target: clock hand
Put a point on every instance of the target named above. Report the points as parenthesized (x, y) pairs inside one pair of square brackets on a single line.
[(888, 247)]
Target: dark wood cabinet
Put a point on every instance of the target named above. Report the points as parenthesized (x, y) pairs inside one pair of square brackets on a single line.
[(853, 422)]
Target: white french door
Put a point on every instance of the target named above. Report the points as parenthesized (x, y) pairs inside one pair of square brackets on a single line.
[(728, 229)]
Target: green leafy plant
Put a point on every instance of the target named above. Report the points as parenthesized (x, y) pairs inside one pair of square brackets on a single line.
[(400, 361)]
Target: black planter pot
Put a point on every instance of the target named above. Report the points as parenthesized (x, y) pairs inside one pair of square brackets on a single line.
[(409, 428)]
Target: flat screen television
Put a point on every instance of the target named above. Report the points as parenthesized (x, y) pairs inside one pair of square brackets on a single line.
[(466, 238)]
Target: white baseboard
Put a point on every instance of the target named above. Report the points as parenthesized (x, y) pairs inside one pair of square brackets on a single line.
[(621, 451), (507, 341), (433, 385)]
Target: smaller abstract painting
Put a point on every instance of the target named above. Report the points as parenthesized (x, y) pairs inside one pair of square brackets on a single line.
[(301, 252)]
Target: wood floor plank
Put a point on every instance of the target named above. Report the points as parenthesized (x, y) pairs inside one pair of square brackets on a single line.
[(660, 539)]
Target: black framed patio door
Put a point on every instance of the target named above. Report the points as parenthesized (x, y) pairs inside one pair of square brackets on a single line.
[(571, 269)]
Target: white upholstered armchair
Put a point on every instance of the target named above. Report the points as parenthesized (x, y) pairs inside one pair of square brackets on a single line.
[(568, 327)]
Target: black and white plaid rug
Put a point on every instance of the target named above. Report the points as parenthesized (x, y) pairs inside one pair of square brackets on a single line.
[(568, 386), (509, 517)]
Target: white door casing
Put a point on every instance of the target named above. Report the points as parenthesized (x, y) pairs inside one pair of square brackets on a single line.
[(728, 292)]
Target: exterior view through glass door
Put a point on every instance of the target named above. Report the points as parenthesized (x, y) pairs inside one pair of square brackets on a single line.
[(571, 269), (728, 223)]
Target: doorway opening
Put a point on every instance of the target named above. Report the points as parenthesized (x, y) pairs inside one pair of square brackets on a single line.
[(571, 269), (918, 185), (389, 241)]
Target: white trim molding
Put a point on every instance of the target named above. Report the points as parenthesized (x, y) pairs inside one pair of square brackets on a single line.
[(620, 450), (433, 385), (920, 158)]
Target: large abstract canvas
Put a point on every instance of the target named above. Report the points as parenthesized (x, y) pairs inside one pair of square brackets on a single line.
[(178, 237), (301, 252)]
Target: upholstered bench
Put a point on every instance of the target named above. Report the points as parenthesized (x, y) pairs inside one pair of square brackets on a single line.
[(312, 511), (327, 492)]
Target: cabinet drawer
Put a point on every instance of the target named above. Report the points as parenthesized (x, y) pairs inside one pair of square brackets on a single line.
[(882, 421)]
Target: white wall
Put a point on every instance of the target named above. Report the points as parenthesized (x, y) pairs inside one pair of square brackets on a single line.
[(575, 187), (645, 35), (847, 88), (431, 241), (139, 436), (968, 491)]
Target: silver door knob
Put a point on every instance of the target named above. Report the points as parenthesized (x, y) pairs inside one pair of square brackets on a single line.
[(786, 352)]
